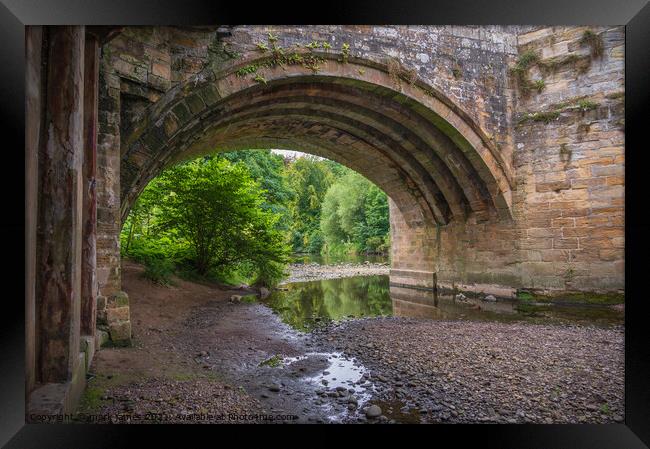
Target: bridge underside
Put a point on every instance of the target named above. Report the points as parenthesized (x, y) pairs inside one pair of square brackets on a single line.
[(484, 195)]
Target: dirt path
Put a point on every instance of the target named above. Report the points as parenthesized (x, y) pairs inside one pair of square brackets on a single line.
[(198, 357)]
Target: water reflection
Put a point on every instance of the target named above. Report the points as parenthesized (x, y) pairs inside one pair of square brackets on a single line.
[(305, 305)]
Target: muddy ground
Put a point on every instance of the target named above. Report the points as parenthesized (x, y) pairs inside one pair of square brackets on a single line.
[(200, 357)]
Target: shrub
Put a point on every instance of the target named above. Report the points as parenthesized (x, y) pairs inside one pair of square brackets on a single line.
[(269, 274), (159, 271)]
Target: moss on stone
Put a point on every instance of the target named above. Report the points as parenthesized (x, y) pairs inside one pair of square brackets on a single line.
[(576, 297)]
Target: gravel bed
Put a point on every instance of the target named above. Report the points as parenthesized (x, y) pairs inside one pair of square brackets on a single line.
[(460, 371), (313, 271)]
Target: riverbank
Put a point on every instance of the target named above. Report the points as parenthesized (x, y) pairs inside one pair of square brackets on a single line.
[(466, 372), (303, 272), (199, 357)]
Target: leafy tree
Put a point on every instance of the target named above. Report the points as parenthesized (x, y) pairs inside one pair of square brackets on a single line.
[(231, 216), (213, 211), (355, 216), (268, 169), (309, 178)]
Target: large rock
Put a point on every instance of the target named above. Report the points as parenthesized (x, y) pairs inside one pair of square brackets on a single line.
[(374, 411), (264, 292), (489, 298)]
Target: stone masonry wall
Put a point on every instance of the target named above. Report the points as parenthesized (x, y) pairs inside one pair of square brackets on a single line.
[(567, 231), (570, 162), (560, 140)]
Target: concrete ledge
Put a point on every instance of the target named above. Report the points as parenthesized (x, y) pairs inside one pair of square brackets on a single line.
[(412, 278), (88, 346), (407, 293), (57, 398), (498, 291)]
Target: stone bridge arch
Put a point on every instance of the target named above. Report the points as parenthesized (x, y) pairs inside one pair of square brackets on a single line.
[(436, 165), (495, 186), (435, 147)]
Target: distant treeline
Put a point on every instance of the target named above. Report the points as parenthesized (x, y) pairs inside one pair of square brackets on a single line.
[(237, 216)]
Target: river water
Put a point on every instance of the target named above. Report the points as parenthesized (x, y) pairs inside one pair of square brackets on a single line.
[(307, 305)]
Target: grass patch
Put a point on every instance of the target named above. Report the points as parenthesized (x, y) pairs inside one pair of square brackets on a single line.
[(586, 105), (520, 71), (526, 60), (595, 41), (273, 362), (249, 299), (581, 104), (91, 400), (524, 296), (542, 116)]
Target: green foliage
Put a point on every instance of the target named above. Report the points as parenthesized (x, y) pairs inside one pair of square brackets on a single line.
[(526, 60), (159, 271), (309, 178), (273, 362), (354, 216), (269, 171), (593, 40), (520, 71), (235, 217), (542, 116), (207, 216), (586, 105), (345, 53), (252, 68), (581, 104)]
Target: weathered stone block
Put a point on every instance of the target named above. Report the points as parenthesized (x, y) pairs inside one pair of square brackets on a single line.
[(120, 333), (118, 299), (161, 70), (101, 338), (114, 314)]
